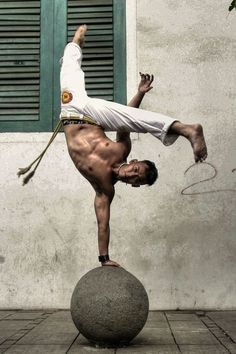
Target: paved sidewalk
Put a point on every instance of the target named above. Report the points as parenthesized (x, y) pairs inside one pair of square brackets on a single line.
[(166, 332)]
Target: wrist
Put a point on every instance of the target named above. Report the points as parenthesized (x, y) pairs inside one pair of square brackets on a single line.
[(140, 93), (103, 258)]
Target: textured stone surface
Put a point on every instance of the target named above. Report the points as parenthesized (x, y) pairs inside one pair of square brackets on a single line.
[(37, 349), (150, 349), (56, 334), (203, 349), (109, 306)]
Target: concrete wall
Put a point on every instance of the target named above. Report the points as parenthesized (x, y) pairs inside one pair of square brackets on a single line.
[(181, 247)]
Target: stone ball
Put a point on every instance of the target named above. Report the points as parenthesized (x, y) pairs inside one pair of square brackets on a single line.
[(109, 306)]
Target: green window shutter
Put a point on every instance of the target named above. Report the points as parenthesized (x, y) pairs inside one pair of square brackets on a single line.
[(19, 60), (26, 65), (104, 54), (32, 38), (105, 48), (98, 55)]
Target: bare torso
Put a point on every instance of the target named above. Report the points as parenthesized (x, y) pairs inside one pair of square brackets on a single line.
[(94, 154)]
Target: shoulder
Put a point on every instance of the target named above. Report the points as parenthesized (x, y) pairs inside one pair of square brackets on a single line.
[(104, 190), (123, 140)]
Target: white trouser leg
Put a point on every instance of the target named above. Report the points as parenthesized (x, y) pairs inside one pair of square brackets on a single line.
[(117, 117), (110, 115), (72, 78)]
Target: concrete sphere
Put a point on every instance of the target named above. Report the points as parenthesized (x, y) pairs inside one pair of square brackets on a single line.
[(109, 306)]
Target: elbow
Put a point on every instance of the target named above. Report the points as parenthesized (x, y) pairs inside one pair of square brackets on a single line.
[(103, 227)]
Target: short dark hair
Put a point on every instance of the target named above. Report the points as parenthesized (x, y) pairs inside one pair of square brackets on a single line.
[(151, 172)]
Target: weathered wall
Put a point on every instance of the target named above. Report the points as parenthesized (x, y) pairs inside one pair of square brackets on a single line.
[(181, 247)]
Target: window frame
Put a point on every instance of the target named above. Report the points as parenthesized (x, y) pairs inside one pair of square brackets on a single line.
[(53, 20)]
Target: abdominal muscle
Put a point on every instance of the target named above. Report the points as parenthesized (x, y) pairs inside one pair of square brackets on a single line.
[(87, 148)]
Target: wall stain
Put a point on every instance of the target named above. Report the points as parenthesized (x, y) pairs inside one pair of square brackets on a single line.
[(2, 259)]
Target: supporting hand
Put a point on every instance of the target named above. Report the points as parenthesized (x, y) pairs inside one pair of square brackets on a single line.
[(110, 263)]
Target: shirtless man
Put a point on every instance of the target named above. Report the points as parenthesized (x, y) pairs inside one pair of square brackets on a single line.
[(104, 162)]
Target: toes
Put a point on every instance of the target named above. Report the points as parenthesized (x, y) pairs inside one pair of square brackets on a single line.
[(201, 159)]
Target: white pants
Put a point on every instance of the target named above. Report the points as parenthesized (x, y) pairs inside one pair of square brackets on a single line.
[(110, 115)]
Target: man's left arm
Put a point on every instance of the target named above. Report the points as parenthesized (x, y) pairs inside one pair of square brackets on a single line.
[(143, 87)]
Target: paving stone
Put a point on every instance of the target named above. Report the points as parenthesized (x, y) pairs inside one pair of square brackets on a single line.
[(203, 349), (232, 335), (25, 315), (194, 337), (153, 336), (231, 347), (149, 349), (157, 324), (2, 350), (56, 332), (60, 315), (17, 336), (29, 327), (8, 328), (228, 315), (217, 332), (228, 327), (37, 349), (182, 317), (82, 346), (5, 314), (227, 324), (51, 332), (156, 316), (200, 313), (36, 322), (7, 343), (187, 326), (12, 325), (181, 311)]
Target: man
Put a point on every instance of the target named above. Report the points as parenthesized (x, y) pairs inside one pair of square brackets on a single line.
[(101, 161), (104, 162)]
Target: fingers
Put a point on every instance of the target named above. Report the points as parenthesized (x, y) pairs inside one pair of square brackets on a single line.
[(199, 159), (110, 263), (146, 77), (142, 76), (149, 88), (151, 79)]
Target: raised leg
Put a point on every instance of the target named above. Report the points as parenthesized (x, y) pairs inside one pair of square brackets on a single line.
[(194, 133), (79, 36)]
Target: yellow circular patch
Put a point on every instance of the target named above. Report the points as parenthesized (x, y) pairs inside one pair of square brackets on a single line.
[(66, 97)]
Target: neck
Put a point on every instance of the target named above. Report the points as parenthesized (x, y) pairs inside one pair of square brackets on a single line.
[(122, 164), (117, 170)]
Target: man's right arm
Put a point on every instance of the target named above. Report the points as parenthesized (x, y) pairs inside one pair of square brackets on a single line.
[(102, 204)]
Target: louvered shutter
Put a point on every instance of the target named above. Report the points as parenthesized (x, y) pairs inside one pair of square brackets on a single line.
[(19, 60), (98, 53), (32, 38)]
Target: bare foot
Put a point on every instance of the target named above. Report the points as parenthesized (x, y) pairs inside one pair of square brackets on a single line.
[(79, 37), (196, 138)]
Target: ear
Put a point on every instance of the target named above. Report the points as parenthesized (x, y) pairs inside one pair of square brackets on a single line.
[(133, 161)]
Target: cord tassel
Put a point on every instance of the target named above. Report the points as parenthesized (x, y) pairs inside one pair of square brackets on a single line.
[(24, 170), (28, 177)]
